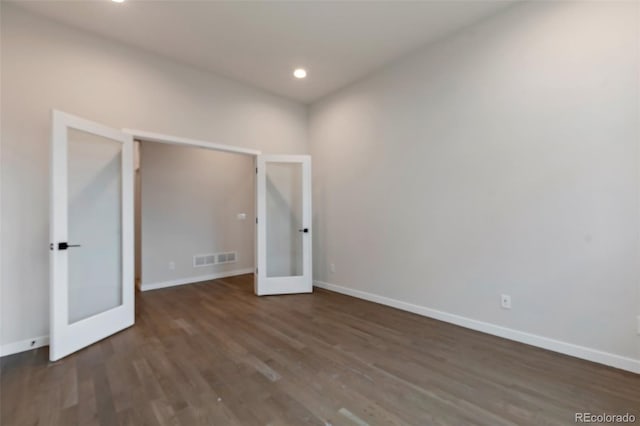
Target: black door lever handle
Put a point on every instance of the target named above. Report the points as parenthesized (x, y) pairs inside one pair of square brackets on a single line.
[(64, 246), (305, 230)]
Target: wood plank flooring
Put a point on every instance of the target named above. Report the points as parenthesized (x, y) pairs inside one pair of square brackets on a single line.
[(215, 354)]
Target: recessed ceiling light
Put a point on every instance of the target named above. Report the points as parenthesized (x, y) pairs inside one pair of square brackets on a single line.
[(300, 73), (118, 1)]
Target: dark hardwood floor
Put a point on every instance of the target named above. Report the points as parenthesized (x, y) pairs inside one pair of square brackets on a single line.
[(215, 354)]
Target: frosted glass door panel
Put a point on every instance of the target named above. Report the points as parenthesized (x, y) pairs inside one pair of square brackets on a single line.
[(284, 219), (94, 167), (91, 286), (283, 227)]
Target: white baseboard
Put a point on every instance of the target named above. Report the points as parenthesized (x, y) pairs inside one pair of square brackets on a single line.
[(192, 280), (23, 345), (606, 358)]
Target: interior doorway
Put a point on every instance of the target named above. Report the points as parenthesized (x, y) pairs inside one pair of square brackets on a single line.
[(283, 234), (92, 237), (195, 215)]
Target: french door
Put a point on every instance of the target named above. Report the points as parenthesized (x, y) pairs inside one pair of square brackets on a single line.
[(91, 250), (284, 224)]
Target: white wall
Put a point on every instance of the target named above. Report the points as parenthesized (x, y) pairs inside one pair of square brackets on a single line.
[(502, 159), (190, 201), (46, 65)]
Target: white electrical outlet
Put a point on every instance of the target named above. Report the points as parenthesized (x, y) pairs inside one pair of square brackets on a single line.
[(505, 301), (242, 216), (332, 268), (172, 265)]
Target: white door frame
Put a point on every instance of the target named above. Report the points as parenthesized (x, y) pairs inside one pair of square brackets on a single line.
[(144, 135), (177, 140)]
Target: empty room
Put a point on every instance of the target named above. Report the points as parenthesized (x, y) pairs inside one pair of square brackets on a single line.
[(319, 212)]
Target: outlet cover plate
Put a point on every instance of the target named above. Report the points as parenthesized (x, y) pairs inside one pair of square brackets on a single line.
[(505, 301)]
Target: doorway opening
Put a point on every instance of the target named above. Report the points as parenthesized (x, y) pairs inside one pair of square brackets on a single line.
[(195, 214), (92, 237), (282, 255)]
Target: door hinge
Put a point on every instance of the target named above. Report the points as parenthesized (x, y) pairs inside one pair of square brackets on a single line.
[(256, 170), (256, 220)]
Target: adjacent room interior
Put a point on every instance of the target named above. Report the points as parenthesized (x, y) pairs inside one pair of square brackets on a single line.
[(196, 207), (332, 213)]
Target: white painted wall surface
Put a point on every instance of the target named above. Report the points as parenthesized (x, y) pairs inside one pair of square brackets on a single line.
[(503, 159), (46, 65), (190, 201)]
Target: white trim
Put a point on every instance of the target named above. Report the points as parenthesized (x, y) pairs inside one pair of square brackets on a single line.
[(23, 345), (177, 140), (606, 358), (192, 280)]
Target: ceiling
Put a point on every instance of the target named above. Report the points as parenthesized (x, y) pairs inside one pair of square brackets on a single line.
[(261, 42)]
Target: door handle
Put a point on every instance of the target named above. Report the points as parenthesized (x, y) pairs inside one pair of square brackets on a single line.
[(65, 245), (305, 230)]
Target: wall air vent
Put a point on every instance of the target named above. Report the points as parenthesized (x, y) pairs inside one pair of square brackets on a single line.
[(228, 257), (200, 260)]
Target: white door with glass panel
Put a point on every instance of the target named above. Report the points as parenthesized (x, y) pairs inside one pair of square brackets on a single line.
[(92, 274), (283, 225)]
